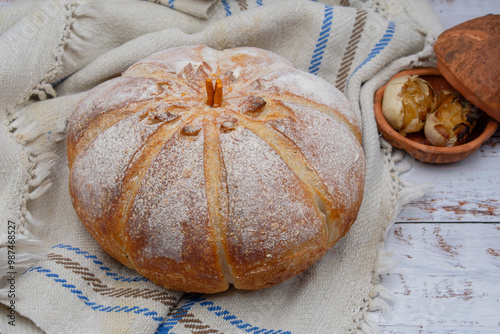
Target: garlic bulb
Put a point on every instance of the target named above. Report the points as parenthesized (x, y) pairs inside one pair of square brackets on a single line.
[(407, 101), (452, 122)]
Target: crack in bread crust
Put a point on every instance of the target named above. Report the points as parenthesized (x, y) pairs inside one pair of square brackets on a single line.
[(321, 107), (140, 161), (100, 124), (82, 131), (296, 161), (217, 197)]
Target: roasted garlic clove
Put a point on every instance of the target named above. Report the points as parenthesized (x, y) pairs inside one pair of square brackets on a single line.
[(452, 122), (407, 101)]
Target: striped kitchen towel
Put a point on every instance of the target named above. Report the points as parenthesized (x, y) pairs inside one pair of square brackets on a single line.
[(56, 279)]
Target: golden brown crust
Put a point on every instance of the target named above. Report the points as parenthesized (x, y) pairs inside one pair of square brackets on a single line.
[(196, 197)]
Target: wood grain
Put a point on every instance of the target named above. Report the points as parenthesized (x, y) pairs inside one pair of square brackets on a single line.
[(453, 12), (465, 191), (446, 280)]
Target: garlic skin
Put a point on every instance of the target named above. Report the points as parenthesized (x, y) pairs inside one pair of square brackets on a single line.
[(452, 122), (407, 101)]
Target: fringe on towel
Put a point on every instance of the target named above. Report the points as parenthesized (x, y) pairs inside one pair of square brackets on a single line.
[(380, 298), (27, 248), (45, 87), (24, 130)]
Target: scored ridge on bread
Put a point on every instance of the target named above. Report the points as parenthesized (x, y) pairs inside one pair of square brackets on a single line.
[(217, 194)]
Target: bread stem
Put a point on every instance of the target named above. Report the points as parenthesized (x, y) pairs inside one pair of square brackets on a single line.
[(218, 94), (214, 97), (210, 92)]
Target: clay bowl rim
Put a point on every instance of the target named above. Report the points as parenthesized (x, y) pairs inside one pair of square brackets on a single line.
[(422, 152)]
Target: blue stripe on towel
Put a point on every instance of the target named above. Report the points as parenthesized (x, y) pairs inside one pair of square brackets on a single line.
[(324, 34), (97, 307), (381, 44), (170, 322), (227, 8)]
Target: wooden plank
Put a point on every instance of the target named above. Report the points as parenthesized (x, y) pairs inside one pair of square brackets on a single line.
[(465, 191), (438, 329), (453, 12), (446, 280)]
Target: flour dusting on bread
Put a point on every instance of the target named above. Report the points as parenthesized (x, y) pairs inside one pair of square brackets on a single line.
[(249, 190)]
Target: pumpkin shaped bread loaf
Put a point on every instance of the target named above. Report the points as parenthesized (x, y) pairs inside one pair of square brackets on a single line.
[(195, 186)]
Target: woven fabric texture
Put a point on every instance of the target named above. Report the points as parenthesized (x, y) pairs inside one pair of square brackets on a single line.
[(53, 51)]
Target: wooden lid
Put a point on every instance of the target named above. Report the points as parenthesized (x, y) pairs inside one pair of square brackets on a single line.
[(468, 57)]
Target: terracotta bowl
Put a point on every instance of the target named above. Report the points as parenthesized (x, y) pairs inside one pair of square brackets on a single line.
[(416, 144)]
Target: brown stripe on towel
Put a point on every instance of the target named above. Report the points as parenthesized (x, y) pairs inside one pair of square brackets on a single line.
[(191, 322), (350, 52), (344, 3), (243, 4), (104, 290)]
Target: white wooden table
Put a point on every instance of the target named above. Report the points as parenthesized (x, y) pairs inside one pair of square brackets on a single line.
[(447, 243)]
